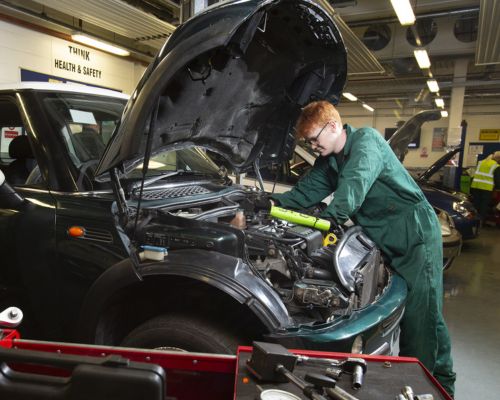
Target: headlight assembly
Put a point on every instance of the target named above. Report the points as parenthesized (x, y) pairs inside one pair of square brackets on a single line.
[(460, 208)]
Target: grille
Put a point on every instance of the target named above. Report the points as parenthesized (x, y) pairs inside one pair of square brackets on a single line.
[(99, 235), (172, 193)]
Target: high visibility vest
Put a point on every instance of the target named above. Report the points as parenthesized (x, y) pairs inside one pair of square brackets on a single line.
[(483, 177)]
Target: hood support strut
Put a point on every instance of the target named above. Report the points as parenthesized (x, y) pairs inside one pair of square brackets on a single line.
[(256, 167), (120, 197)]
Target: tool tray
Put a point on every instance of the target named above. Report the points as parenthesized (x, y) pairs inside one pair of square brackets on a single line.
[(45, 372), (384, 378)]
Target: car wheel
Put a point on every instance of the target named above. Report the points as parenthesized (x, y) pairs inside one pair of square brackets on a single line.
[(182, 333)]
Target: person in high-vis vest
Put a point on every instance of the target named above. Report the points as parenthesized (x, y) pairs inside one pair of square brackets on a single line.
[(485, 180)]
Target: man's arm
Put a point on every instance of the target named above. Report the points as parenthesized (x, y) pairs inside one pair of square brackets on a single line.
[(496, 178), (310, 190), (358, 175)]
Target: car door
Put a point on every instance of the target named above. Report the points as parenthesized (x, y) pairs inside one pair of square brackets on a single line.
[(27, 222)]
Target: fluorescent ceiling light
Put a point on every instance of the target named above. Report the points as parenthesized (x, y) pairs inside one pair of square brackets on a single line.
[(444, 113), (433, 85), (439, 102), (404, 11), (368, 107), (349, 96), (422, 58), (100, 45)]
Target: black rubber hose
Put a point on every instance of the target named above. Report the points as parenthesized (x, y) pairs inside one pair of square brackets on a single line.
[(316, 273)]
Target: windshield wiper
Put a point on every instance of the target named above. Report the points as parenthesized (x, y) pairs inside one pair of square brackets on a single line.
[(155, 178)]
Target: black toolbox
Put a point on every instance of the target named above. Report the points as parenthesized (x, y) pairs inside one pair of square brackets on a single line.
[(36, 375)]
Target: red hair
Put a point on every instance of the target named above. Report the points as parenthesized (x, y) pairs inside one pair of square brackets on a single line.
[(316, 113)]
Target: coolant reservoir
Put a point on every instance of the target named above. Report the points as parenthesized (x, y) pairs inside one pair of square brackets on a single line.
[(153, 253)]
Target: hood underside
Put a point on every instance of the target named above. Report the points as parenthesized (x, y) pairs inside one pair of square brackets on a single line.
[(233, 80), (409, 130), (440, 163)]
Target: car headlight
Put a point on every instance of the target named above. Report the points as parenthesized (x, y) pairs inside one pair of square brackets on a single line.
[(460, 208)]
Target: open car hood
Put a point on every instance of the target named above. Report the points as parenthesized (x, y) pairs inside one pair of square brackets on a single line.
[(440, 163), (233, 79), (408, 132)]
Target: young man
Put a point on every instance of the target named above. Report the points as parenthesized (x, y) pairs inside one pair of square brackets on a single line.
[(374, 190)]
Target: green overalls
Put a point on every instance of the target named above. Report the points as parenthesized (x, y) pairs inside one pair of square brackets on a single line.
[(373, 189)]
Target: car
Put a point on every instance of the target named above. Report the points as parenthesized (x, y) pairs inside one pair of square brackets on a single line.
[(126, 233)]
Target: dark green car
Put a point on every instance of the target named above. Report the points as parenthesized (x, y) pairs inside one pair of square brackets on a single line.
[(92, 197)]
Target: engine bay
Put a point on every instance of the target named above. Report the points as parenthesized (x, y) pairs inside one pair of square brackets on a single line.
[(316, 281)]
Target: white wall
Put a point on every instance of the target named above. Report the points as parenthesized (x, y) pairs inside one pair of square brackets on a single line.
[(477, 117), (38, 52)]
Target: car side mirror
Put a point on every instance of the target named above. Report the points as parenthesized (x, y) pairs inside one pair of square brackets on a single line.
[(8, 196)]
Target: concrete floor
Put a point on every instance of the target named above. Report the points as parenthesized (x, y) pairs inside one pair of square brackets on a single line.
[(472, 312)]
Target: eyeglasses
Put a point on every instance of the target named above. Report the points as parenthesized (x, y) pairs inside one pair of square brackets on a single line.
[(315, 139)]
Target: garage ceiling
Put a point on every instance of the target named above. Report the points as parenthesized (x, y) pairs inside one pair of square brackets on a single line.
[(130, 20), (488, 42), (390, 74), (116, 16), (404, 83)]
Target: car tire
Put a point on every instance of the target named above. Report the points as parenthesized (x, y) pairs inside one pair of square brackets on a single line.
[(182, 333)]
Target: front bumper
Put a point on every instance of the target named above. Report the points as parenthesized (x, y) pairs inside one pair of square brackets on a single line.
[(377, 324), (468, 228)]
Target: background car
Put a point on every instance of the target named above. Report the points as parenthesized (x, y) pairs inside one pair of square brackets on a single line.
[(78, 232)]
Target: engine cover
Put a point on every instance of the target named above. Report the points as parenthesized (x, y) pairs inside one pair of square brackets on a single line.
[(181, 233), (313, 237)]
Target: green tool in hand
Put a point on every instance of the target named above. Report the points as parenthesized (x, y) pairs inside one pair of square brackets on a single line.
[(300, 219)]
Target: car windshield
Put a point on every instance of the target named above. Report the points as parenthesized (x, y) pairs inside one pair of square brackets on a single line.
[(86, 123), (188, 160)]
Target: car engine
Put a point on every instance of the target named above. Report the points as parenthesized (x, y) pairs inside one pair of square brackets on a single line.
[(314, 280)]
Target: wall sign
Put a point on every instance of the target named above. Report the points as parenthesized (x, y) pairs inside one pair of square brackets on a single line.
[(489, 134), (78, 60), (8, 133), (439, 139), (32, 76)]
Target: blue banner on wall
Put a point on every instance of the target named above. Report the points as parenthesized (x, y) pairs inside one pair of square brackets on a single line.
[(32, 76)]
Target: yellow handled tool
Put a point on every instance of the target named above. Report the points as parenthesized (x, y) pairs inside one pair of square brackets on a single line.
[(329, 239)]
